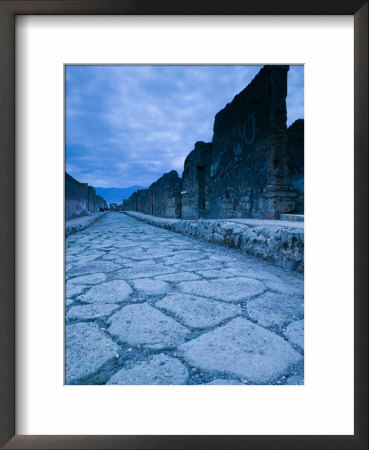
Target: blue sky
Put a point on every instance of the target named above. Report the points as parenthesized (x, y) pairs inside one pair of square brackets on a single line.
[(127, 125)]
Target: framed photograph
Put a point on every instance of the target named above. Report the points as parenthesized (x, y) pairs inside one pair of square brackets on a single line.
[(163, 168)]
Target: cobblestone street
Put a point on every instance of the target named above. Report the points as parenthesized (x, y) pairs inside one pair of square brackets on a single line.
[(148, 306)]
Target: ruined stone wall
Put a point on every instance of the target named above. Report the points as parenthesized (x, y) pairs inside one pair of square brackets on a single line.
[(249, 168), (253, 167), (131, 203), (295, 145), (80, 198), (76, 197), (101, 203), (166, 196), (144, 201), (92, 206), (196, 182)]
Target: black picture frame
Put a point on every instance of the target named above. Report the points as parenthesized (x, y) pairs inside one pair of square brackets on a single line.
[(8, 11)]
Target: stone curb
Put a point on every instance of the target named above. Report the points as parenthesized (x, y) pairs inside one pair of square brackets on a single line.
[(280, 245), (74, 228)]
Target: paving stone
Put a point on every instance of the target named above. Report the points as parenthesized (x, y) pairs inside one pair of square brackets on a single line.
[(161, 369), (111, 257), (87, 350), (88, 312), (74, 290), (227, 289), (142, 325), (123, 246), (179, 246), (93, 267), (155, 253), (95, 278), (143, 271), (115, 291), (223, 258), (295, 380), (216, 273), (151, 287), (197, 312), (180, 257), (138, 254), (219, 381), (288, 286), (295, 333), (126, 263), (71, 259), (240, 272), (271, 309), (241, 349), (263, 273), (84, 259), (194, 266), (179, 276)]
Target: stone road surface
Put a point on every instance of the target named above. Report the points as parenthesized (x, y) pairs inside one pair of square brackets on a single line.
[(148, 306)]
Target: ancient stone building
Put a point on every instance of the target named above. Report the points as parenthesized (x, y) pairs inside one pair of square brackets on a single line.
[(254, 166), (80, 198), (144, 201), (295, 145), (163, 198), (166, 196), (92, 207), (101, 204), (76, 197), (249, 167), (196, 182), (130, 204)]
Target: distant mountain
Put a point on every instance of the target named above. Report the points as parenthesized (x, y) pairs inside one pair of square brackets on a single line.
[(116, 195)]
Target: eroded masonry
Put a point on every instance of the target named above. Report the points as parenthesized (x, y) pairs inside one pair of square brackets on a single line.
[(80, 198), (254, 166)]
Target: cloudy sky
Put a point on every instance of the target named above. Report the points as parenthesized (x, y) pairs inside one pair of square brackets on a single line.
[(127, 125)]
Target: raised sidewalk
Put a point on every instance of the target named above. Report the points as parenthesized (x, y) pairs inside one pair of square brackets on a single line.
[(280, 242), (80, 223)]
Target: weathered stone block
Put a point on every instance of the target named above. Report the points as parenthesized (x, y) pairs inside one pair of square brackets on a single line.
[(87, 350), (161, 369), (241, 349), (142, 325), (197, 312)]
